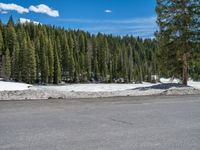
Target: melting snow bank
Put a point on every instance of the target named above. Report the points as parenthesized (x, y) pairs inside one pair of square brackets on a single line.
[(48, 93), (21, 91)]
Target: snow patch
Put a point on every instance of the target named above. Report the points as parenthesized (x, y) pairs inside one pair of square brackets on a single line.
[(13, 86), (194, 84), (24, 21), (169, 80)]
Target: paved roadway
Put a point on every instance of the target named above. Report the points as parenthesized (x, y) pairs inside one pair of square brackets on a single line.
[(129, 123)]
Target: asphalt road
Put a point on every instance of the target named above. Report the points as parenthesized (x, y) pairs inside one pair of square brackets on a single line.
[(131, 123)]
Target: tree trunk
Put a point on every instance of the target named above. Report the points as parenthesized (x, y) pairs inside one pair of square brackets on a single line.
[(185, 69)]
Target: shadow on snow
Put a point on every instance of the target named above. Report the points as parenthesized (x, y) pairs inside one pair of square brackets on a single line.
[(162, 86)]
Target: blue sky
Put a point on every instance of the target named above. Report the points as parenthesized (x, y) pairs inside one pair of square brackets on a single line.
[(119, 17)]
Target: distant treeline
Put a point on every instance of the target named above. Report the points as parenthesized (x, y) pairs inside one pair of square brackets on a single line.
[(47, 54)]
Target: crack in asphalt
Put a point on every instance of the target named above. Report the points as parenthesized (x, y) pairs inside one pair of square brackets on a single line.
[(121, 121)]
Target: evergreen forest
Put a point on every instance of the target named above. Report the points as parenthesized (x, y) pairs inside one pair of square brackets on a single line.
[(42, 54)]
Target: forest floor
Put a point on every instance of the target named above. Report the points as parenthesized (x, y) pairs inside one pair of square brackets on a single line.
[(21, 91)]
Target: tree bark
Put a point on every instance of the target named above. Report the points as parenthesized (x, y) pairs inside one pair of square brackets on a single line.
[(185, 70)]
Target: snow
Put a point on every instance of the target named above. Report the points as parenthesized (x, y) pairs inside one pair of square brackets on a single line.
[(24, 21), (95, 87), (111, 87), (169, 80), (13, 86), (194, 84)]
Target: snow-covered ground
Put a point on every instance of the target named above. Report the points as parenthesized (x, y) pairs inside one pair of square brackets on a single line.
[(94, 87), (20, 91), (13, 86)]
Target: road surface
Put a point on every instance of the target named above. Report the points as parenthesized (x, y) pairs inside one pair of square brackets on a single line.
[(124, 123)]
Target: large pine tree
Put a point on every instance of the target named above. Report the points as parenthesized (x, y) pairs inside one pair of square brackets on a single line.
[(179, 22), (10, 36)]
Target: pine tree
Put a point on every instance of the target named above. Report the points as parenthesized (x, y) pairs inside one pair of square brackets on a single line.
[(138, 75), (82, 59), (116, 61), (58, 48), (71, 62), (15, 64), (1, 25), (125, 64), (1, 44), (88, 58), (65, 58), (7, 64), (10, 22), (23, 58), (95, 65), (37, 53), (44, 69), (76, 53), (10, 37), (178, 27), (44, 63), (71, 66), (130, 63), (195, 39), (31, 62), (57, 68), (103, 57), (70, 42), (106, 59), (51, 62), (28, 61)]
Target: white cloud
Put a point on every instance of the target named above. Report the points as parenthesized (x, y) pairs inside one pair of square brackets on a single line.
[(143, 27), (138, 21), (4, 8), (42, 8), (147, 20), (108, 11)]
